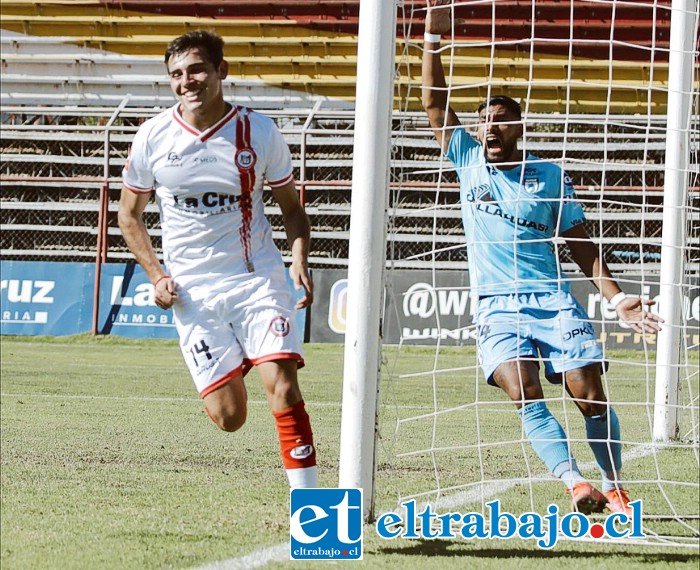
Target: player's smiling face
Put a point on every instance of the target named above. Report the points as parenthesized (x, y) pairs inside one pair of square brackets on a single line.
[(498, 132), (196, 83)]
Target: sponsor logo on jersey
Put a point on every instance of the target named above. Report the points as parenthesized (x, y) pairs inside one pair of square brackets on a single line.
[(205, 159), (208, 203), (245, 158), (480, 193), (174, 159), (279, 326), (495, 210)]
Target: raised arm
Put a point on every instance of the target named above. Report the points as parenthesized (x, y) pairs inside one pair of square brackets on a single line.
[(296, 224), (131, 207), (588, 257), (434, 93)]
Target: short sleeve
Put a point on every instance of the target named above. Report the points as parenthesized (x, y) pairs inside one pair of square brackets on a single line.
[(463, 150), (137, 174), (571, 211), (279, 165)]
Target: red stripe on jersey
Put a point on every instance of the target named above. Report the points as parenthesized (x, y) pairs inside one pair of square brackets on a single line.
[(184, 124), (247, 177), (278, 183), (230, 115)]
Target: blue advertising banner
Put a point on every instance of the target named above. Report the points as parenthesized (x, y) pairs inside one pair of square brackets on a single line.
[(46, 298), (127, 304), (128, 308), (56, 298)]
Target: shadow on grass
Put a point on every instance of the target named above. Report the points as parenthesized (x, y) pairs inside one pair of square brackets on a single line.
[(450, 549)]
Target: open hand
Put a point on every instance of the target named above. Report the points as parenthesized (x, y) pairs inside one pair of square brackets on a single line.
[(631, 311)]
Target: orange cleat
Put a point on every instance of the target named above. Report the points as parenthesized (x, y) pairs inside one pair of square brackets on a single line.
[(586, 499), (618, 501)]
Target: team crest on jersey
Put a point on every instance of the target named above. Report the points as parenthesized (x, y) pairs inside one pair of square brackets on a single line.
[(279, 326), (245, 158), (532, 185)]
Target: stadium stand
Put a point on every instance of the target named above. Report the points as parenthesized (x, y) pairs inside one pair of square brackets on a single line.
[(78, 77), (291, 53)]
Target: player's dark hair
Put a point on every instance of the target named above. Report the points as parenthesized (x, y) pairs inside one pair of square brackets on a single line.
[(209, 43), (510, 104)]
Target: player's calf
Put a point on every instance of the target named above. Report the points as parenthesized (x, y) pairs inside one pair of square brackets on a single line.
[(297, 445)]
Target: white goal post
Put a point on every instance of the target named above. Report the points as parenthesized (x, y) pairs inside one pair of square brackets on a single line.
[(684, 28), (375, 78), (666, 371)]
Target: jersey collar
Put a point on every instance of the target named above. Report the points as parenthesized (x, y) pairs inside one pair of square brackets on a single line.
[(207, 133)]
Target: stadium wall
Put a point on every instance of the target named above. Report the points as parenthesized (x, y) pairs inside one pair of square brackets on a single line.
[(57, 299)]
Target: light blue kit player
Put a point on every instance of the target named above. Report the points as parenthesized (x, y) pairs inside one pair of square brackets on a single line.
[(513, 207)]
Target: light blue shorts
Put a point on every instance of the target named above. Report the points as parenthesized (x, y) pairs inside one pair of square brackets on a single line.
[(553, 327)]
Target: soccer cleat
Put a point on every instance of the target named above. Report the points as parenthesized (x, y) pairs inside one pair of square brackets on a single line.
[(586, 499), (618, 501)]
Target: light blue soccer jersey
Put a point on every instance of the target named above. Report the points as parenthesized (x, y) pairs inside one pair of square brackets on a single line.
[(510, 218)]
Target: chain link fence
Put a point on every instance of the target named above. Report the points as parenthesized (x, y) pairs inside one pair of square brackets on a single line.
[(57, 162)]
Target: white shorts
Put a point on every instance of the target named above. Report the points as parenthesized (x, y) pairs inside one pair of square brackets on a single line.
[(231, 331)]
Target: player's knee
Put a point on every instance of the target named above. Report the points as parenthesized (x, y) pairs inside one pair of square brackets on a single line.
[(228, 419), (586, 387), (520, 380), (285, 388), (520, 392), (592, 408)]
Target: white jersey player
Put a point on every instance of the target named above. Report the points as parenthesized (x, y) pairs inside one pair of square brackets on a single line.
[(206, 161), (513, 206)]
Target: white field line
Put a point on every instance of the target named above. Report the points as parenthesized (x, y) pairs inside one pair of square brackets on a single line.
[(255, 559), (195, 400), (279, 552)]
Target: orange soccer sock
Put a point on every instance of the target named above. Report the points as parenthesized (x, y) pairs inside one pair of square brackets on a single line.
[(296, 438)]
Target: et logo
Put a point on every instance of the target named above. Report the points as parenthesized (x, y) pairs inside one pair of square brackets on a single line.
[(325, 524)]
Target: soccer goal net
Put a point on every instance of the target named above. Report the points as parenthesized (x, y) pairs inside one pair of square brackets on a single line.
[(600, 100)]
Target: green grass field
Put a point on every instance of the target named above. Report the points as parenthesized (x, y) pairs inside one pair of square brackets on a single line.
[(109, 461)]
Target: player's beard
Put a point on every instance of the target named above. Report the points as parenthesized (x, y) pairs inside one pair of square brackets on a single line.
[(501, 146), (502, 152)]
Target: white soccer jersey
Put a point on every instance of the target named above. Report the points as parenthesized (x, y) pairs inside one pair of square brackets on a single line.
[(209, 189)]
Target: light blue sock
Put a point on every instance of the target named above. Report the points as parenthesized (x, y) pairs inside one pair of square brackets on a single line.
[(548, 439), (608, 452)]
